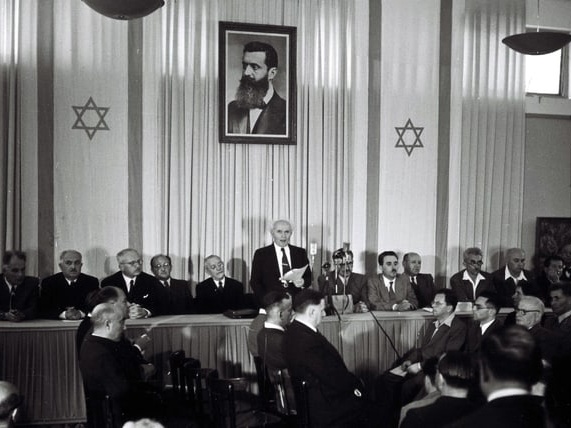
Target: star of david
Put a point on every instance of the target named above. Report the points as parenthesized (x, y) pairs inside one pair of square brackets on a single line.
[(401, 133), (90, 114)]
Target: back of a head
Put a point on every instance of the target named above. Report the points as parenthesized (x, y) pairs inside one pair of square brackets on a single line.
[(429, 368), (457, 369), (306, 298), (511, 354), (102, 295), (102, 313), (273, 299), (10, 399)]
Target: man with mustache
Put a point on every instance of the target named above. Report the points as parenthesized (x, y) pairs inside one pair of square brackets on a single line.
[(257, 109), (63, 295)]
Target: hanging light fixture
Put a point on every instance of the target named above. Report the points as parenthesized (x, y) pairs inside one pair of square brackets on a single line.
[(537, 42), (124, 9)]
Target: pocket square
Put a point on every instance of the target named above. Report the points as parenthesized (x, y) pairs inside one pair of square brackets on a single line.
[(145, 296)]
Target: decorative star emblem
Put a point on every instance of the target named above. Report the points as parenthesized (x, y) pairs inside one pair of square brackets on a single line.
[(90, 114), (401, 133)]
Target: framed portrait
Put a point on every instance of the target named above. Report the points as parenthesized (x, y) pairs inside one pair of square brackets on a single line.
[(257, 78), (551, 235)]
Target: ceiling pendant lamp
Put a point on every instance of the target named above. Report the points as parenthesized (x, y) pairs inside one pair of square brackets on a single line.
[(537, 42), (124, 9)]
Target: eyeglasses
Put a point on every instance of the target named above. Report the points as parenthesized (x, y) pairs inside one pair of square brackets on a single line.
[(475, 262), (478, 307), (164, 265), (133, 263), (217, 265), (525, 311)]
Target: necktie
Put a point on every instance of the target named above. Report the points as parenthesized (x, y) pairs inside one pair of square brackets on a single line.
[(131, 283), (220, 285), (166, 283), (413, 281), (285, 264), (392, 296)]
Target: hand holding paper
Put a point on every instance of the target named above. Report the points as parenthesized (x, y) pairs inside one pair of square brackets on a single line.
[(295, 276)]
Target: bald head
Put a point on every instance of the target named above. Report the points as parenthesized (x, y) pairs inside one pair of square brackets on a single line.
[(10, 399), (515, 261), (108, 321)]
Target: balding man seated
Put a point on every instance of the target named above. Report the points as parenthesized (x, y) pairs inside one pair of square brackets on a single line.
[(10, 400), (64, 294), (513, 274), (18, 293)]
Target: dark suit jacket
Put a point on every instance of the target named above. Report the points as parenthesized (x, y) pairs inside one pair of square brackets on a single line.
[(266, 272), (271, 348), (331, 385), (146, 292), (356, 286), (57, 295), (464, 290), (524, 411), (378, 294), (506, 288), (543, 285), (445, 339), (474, 338), (272, 119), (443, 411), (25, 298), (177, 298), (551, 343), (211, 301), (424, 289)]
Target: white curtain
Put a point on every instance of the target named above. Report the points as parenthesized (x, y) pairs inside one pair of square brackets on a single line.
[(203, 197), (487, 131)]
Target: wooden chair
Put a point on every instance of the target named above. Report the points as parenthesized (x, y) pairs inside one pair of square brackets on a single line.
[(197, 380), (224, 411), (177, 360), (265, 387)]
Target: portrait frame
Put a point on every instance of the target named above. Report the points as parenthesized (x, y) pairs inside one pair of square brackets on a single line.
[(234, 122), (551, 235)]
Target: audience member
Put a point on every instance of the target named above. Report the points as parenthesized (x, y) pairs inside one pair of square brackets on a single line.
[(470, 282), (177, 298), (218, 293), (271, 337), (453, 379), (335, 394), (400, 385), (10, 400), (342, 287), (431, 393), (565, 255), (63, 295), (143, 291), (390, 291), (18, 293), (529, 313), (106, 371), (552, 271), (508, 277), (561, 305), (558, 394), (510, 363), (271, 263), (422, 283), (484, 311)]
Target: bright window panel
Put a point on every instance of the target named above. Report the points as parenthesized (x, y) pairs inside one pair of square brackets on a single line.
[(543, 73)]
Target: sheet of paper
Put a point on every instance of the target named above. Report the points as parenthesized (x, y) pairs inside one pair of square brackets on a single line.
[(294, 274)]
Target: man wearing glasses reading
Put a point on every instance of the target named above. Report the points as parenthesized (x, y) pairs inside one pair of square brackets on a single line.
[(177, 298), (469, 283), (143, 290)]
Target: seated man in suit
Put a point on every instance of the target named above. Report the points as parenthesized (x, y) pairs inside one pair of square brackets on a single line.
[(484, 311), (506, 278), (10, 400), (336, 396), (107, 369), (63, 295), (143, 291), (454, 378), (422, 283), (403, 382), (469, 283), (390, 291), (552, 271), (271, 263), (18, 293), (561, 305), (271, 337), (177, 298), (510, 363), (342, 282), (218, 293)]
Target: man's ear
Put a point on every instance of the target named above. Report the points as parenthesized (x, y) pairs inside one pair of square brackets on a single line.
[(271, 74)]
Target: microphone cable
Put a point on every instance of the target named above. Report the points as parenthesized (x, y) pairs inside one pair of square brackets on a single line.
[(386, 334)]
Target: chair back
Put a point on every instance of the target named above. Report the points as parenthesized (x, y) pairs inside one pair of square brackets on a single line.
[(301, 391), (223, 403), (177, 361), (284, 393), (265, 388), (197, 380)]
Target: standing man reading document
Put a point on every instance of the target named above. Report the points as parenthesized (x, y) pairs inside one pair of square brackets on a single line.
[(271, 263)]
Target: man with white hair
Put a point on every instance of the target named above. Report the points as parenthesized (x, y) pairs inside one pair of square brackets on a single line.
[(469, 283), (271, 263), (10, 400)]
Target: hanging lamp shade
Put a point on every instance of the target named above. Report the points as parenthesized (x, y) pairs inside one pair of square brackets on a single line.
[(538, 42), (124, 9)]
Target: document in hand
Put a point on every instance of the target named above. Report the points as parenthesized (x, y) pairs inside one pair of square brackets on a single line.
[(294, 274)]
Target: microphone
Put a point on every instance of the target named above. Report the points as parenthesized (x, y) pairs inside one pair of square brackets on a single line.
[(385, 334)]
